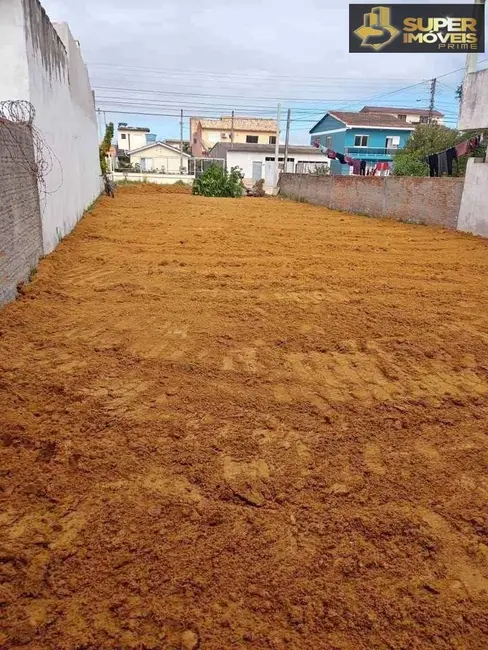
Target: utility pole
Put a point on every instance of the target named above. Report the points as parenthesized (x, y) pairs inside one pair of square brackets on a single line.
[(232, 131), (433, 85), (181, 141), (277, 148), (287, 138), (99, 120), (472, 59)]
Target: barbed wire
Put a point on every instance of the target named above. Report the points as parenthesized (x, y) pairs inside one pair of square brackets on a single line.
[(22, 112), (18, 111)]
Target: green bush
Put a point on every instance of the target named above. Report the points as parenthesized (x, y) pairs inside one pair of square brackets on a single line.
[(407, 163), (215, 181)]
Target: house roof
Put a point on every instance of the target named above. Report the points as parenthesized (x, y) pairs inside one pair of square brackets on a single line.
[(400, 110), (175, 141), (240, 123), (265, 148), (369, 119), (150, 145), (133, 128)]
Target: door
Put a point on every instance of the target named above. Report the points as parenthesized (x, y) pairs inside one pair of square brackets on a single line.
[(269, 172), (146, 164), (257, 170)]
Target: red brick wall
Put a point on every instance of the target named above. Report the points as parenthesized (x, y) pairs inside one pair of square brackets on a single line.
[(433, 201)]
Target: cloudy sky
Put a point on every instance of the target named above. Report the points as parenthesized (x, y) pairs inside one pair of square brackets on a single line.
[(214, 56)]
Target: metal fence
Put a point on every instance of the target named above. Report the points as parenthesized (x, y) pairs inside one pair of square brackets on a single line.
[(318, 168), (371, 151)]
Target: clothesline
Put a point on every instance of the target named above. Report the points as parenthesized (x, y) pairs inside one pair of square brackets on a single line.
[(358, 166), (441, 163), (475, 140)]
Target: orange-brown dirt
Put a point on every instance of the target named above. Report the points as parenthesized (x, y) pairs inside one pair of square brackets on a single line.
[(246, 424)]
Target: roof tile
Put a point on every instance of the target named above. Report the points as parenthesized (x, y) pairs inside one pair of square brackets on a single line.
[(369, 119)]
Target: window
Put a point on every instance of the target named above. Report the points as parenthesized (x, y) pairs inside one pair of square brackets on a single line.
[(328, 141), (392, 142), (123, 136), (361, 141), (402, 117), (272, 139), (424, 119), (252, 139)]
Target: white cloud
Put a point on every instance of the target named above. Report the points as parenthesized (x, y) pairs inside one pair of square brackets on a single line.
[(257, 43)]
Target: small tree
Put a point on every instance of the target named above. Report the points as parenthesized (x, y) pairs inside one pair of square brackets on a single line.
[(427, 139), (215, 181), (409, 164), (431, 138), (105, 146)]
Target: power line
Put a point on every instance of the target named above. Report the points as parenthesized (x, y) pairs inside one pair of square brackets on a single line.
[(239, 75)]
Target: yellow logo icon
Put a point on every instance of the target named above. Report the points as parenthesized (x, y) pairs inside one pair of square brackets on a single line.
[(376, 31)]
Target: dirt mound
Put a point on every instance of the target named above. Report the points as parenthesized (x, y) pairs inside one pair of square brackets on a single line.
[(245, 424)]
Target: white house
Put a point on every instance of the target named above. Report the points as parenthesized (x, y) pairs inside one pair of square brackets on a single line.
[(257, 160), (133, 137), (161, 157)]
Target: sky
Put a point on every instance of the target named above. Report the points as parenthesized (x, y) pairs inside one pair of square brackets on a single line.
[(211, 57)]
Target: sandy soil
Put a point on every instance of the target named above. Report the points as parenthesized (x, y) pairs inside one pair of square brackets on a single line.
[(246, 424)]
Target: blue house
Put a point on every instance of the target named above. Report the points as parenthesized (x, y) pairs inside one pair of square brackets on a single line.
[(372, 137)]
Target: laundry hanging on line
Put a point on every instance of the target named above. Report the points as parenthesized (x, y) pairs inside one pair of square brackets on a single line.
[(442, 162), (358, 166)]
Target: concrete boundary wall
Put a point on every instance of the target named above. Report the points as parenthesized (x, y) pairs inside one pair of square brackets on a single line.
[(473, 215), (20, 215), (433, 201), (43, 65), (160, 179)]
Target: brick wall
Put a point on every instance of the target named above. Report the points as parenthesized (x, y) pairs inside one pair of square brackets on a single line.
[(20, 217), (433, 201)]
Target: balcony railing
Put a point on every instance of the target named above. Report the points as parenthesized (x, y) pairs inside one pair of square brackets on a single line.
[(368, 152)]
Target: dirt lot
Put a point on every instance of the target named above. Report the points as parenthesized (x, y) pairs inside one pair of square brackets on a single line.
[(246, 424)]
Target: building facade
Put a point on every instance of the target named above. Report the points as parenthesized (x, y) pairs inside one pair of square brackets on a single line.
[(205, 134), (133, 137), (159, 157), (257, 161), (365, 136), (408, 115)]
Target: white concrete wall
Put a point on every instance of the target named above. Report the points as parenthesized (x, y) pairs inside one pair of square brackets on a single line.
[(14, 79), (474, 107), (133, 139), (473, 213), (160, 179), (50, 73), (245, 159)]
